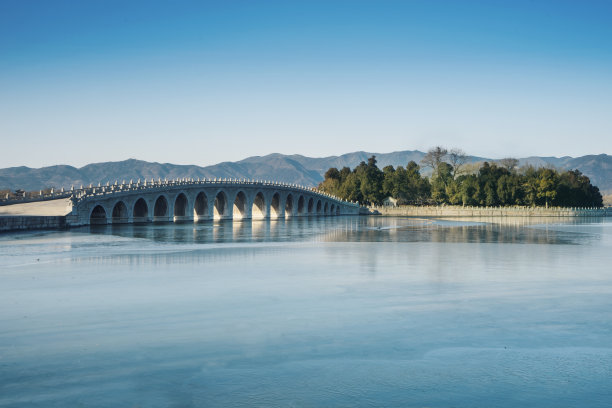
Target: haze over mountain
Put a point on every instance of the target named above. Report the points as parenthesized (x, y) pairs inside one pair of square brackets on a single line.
[(287, 168)]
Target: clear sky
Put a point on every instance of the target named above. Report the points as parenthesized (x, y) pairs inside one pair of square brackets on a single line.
[(194, 82)]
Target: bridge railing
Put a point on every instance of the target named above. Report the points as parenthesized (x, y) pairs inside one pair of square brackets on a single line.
[(84, 193), (8, 200)]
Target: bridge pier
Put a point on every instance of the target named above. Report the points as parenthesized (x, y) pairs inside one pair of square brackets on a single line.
[(183, 218), (281, 214), (165, 218), (268, 210), (201, 218)]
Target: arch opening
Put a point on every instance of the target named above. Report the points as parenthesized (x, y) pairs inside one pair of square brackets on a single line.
[(98, 216), (259, 207), (200, 207), (289, 206), (333, 209), (337, 210), (310, 205), (275, 205), (180, 206), (326, 208), (240, 206), (300, 207), (120, 213), (319, 206), (220, 206), (141, 210), (160, 209)]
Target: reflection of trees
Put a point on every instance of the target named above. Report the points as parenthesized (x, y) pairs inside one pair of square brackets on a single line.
[(513, 231)]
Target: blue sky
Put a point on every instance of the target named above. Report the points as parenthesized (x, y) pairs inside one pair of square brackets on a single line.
[(203, 82)]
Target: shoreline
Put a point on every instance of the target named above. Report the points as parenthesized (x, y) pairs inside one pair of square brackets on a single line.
[(468, 211)]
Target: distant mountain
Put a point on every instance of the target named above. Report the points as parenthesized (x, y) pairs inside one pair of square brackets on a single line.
[(287, 168)]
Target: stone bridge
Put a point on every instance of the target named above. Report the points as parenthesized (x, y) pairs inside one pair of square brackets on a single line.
[(198, 200)]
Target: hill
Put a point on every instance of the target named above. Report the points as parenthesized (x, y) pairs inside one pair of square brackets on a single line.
[(287, 168)]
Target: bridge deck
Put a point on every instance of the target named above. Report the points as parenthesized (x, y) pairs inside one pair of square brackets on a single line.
[(49, 208)]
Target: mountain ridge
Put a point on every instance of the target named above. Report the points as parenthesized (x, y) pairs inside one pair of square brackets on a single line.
[(294, 168)]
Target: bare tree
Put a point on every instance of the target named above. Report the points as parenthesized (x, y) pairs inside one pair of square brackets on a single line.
[(509, 163), (434, 157), (457, 159)]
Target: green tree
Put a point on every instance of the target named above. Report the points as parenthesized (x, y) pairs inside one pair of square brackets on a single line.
[(390, 187), (331, 183), (372, 183), (470, 190), (547, 185), (440, 181), (575, 190), (351, 188), (509, 189)]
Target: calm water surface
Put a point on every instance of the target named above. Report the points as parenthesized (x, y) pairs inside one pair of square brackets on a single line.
[(340, 312)]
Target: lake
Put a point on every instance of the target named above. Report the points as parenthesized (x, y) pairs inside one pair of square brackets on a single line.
[(319, 312)]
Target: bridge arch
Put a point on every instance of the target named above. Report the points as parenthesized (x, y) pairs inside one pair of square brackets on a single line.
[(161, 209), (310, 206), (332, 209), (141, 211), (180, 205), (289, 206), (240, 205), (258, 210), (326, 208), (319, 206), (200, 206), (97, 216), (300, 206), (275, 208), (120, 213), (220, 205)]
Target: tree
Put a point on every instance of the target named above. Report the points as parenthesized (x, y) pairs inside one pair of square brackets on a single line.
[(453, 192), (331, 182), (390, 182), (529, 186), (418, 188), (330, 186), (470, 190), (575, 190), (351, 188), (434, 157), (440, 182), (509, 189), (490, 195), (457, 159), (509, 163), (344, 172), (547, 185), (372, 182), (332, 173)]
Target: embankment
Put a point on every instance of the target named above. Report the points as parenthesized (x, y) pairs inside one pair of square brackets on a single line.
[(460, 211), (31, 222), (48, 214)]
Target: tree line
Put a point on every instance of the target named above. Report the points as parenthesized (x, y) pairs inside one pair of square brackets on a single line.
[(454, 181)]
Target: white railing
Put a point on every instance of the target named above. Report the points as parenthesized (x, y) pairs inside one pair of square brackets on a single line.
[(85, 193)]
